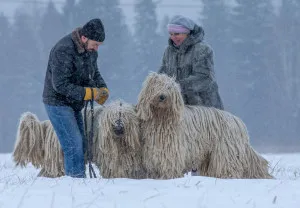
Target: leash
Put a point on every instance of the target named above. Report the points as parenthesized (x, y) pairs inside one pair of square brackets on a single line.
[(119, 129), (89, 135)]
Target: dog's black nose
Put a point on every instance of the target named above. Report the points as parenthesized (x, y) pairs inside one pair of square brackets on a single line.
[(162, 97), (118, 128)]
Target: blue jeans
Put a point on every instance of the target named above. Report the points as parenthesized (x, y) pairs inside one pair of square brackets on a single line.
[(68, 126)]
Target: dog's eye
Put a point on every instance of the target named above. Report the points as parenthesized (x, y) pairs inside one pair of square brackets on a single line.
[(162, 97)]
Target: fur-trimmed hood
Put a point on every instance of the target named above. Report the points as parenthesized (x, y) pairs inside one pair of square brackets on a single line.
[(76, 39), (196, 36)]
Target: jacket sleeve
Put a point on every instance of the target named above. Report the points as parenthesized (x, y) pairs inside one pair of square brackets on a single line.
[(97, 76), (62, 69), (163, 67), (202, 77)]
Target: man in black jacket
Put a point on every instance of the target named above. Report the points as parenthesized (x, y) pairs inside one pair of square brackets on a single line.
[(72, 75)]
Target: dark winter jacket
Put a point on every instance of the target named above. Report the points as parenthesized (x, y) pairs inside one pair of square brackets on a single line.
[(192, 65), (70, 69)]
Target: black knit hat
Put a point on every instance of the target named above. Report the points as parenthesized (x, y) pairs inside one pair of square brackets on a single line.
[(94, 30)]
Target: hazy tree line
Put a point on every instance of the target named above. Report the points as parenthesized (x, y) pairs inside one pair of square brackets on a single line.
[(256, 60)]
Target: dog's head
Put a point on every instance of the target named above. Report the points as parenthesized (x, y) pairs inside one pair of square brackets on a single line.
[(161, 94), (118, 123)]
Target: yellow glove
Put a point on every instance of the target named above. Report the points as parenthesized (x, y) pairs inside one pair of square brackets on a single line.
[(100, 94)]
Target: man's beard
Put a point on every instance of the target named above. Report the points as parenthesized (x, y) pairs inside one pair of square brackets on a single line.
[(85, 45)]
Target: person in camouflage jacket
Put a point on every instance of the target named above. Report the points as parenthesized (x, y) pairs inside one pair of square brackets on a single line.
[(190, 61)]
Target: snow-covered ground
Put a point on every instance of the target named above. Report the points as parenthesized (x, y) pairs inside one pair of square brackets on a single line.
[(20, 188)]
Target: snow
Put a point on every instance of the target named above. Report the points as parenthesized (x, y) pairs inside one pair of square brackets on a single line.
[(20, 188)]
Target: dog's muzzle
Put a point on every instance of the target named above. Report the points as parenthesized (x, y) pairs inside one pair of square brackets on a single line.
[(119, 128)]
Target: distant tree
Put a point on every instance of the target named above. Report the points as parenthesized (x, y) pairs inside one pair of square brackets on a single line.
[(22, 83), (126, 74), (162, 38), (253, 26), (149, 49), (163, 34), (287, 32), (6, 71), (24, 47), (51, 29), (286, 72), (5, 41), (217, 24), (70, 16), (163, 29)]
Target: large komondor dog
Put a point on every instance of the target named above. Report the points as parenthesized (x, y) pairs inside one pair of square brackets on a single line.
[(38, 144), (178, 138), (118, 142), (116, 147), (53, 161), (29, 146)]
